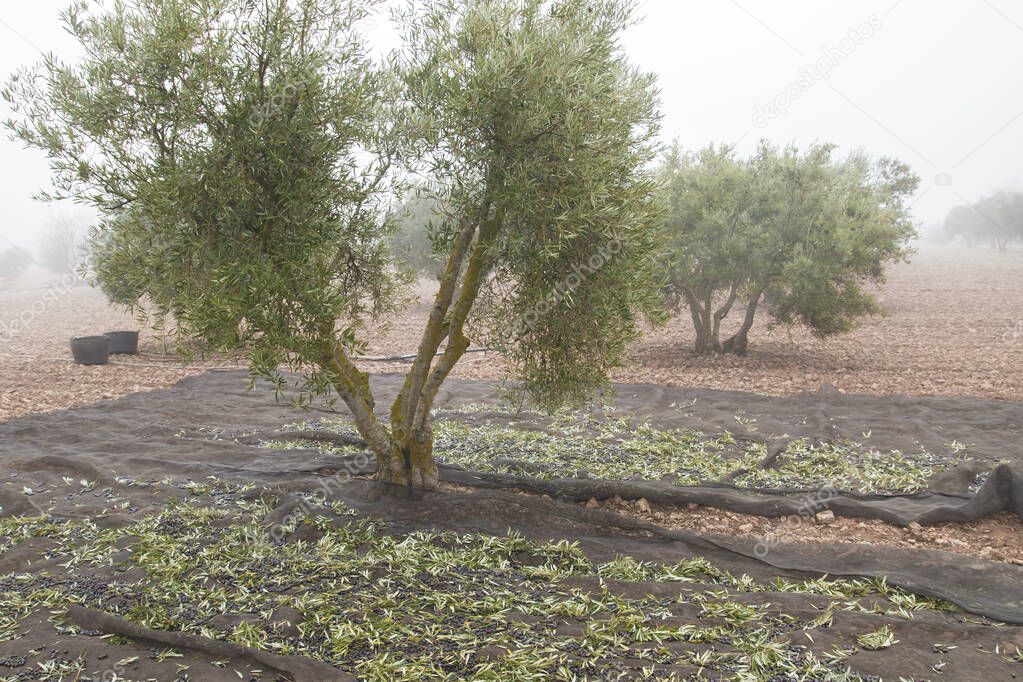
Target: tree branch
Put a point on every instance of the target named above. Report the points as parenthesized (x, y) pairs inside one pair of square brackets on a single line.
[(353, 387), (406, 402), (458, 343)]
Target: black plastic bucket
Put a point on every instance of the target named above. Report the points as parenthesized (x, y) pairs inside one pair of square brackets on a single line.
[(90, 350), (123, 343)]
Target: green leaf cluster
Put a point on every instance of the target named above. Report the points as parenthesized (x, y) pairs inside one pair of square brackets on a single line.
[(996, 219), (801, 232), (246, 158)]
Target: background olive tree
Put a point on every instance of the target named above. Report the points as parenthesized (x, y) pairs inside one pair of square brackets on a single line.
[(801, 233), (995, 220), (12, 263), (412, 241), (62, 245), (240, 154)]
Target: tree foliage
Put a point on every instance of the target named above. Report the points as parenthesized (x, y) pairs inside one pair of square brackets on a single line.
[(412, 241), (242, 155), (62, 246), (799, 232), (12, 263), (218, 141), (996, 220), (539, 129)]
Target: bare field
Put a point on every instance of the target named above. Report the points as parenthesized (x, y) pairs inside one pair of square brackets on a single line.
[(114, 476), (954, 328)]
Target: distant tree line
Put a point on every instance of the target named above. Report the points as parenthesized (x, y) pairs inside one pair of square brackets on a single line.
[(61, 248), (414, 240), (63, 245), (12, 263), (995, 220)]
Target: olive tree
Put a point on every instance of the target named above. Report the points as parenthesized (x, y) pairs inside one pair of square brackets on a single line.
[(996, 219), (412, 241), (243, 154), (12, 263), (61, 247), (801, 233)]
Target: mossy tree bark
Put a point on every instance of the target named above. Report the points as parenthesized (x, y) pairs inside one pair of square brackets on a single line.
[(404, 451), (707, 319), (738, 344)]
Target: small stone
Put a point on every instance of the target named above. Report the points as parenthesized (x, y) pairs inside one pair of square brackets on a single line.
[(692, 506), (826, 516), (828, 388), (592, 503), (288, 620), (491, 653), (643, 506), (914, 527), (746, 528)]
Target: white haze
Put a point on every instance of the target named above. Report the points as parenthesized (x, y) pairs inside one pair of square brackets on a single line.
[(932, 82)]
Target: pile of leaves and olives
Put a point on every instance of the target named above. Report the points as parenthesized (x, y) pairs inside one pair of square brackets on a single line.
[(385, 605), (620, 448)]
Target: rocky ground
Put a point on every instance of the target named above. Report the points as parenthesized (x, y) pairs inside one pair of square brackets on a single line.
[(954, 327), (108, 515)]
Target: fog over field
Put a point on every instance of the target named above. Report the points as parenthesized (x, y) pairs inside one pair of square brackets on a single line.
[(931, 83), (533, 339)]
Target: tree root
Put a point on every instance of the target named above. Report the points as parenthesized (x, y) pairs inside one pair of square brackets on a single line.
[(1003, 491)]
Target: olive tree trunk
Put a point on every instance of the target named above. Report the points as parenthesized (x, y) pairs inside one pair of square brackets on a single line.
[(738, 343), (404, 450), (404, 453), (409, 462), (707, 320)]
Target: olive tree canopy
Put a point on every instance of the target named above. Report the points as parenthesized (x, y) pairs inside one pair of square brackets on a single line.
[(243, 156), (799, 231), (996, 219)]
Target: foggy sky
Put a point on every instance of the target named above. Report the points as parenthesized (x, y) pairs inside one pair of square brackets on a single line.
[(932, 82)]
